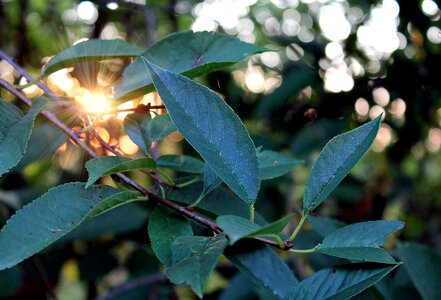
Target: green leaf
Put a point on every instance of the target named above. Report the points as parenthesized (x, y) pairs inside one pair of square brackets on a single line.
[(212, 128), (361, 241), (341, 282), (335, 161), (164, 228), (47, 219), (91, 50), (137, 126), (106, 165), (324, 226), (211, 181), (263, 267), (115, 201), (162, 126), (238, 228), (181, 163), (423, 266), (15, 130), (190, 53), (201, 260), (273, 164)]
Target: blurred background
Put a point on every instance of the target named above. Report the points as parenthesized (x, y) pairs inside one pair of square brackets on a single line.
[(335, 65)]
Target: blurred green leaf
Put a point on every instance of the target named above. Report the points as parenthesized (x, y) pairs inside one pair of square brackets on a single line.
[(181, 163), (162, 126), (324, 226), (273, 164), (138, 128)]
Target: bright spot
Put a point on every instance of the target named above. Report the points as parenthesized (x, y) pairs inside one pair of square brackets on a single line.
[(31, 91), (294, 52), (272, 26), (290, 27), (306, 35), (434, 35), (95, 103), (69, 16), (334, 50), (362, 107), (433, 142), (255, 80), (62, 81), (375, 111), (87, 12), (112, 5), (338, 80), (109, 32), (398, 108), (270, 59), (333, 22), (429, 8), (127, 146), (383, 138), (103, 134), (378, 36), (381, 96)]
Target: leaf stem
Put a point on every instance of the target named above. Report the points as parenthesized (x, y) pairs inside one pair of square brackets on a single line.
[(296, 231), (252, 213), (188, 183), (303, 251)]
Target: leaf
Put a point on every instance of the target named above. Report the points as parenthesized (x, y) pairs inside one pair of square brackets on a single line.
[(361, 241), (238, 228), (335, 161), (164, 228), (263, 267), (239, 288), (91, 50), (195, 268), (181, 163), (273, 164), (190, 53), (47, 219), (212, 128), (162, 126), (137, 127), (341, 282), (211, 181), (106, 165), (15, 130), (423, 266)]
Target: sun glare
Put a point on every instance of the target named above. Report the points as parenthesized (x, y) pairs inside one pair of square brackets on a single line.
[(94, 102)]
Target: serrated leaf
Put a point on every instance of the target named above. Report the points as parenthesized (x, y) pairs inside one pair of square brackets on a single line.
[(238, 228), (335, 161), (423, 266), (91, 50), (212, 128), (181, 163), (164, 228), (263, 267), (137, 127), (190, 53), (340, 283), (195, 268), (162, 126), (15, 130), (106, 165), (47, 219), (361, 241), (273, 164)]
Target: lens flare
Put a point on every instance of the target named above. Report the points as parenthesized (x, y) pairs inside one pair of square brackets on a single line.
[(94, 102)]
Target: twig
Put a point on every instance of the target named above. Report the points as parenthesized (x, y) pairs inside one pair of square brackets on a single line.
[(40, 269), (141, 281)]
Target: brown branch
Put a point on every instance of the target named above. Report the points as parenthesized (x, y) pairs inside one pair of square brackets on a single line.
[(122, 178)]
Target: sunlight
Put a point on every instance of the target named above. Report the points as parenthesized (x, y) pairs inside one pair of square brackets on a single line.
[(94, 102)]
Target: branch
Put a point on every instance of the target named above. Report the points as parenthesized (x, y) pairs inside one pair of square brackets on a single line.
[(189, 213)]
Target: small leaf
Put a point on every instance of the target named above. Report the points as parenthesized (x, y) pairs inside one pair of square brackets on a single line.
[(164, 228), (237, 227), (91, 50), (211, 181), (423, 266), (273, 164), (195, 268), (335, 161), (341, 282), (264, 267), (137, 126), (212, 128), (15, 130), (181, 163), (190, 53), (106, 165), (47, 219), (361, 241), (114, 201), (162, 126)]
